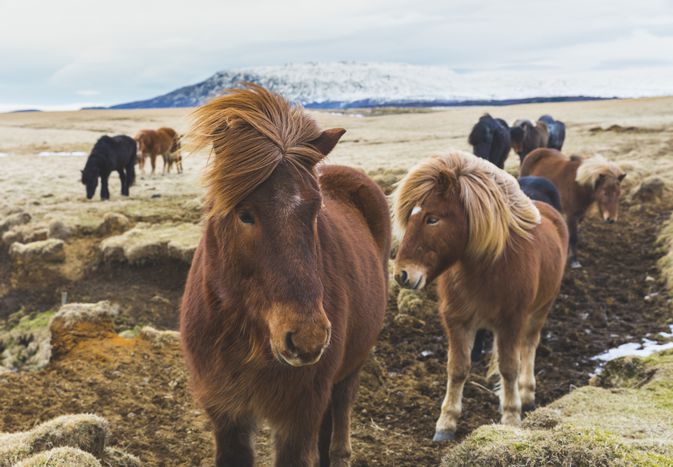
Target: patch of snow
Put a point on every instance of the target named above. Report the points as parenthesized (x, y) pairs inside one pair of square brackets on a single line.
[(370, 84), (4, 154), (644, 348), (62, 154)]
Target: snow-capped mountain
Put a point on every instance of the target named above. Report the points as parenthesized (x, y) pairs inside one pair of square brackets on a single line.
[(357, 84)]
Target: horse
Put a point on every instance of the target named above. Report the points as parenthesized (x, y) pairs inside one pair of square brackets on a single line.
[(541, 189), (526, 137), (108, 154), (490, 140), (557, 131), (152, 143), (468, 224), (288, 287), (580, 184)]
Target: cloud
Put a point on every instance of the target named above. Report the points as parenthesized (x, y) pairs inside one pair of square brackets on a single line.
[(140, 49)]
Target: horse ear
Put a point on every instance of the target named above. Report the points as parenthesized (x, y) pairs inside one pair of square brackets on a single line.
[(327, 140), (621, 177), (443, 182)]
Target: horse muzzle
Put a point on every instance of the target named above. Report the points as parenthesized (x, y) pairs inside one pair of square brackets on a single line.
[(411, 277)]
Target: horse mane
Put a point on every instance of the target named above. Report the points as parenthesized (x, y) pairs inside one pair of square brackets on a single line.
[(251, 131), (591, 169), (495, 206)]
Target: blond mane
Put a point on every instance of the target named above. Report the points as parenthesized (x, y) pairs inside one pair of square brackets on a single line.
[(495, 205), (591, 169), (251, 131)]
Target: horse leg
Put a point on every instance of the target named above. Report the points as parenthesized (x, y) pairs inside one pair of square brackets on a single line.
[(325, 437), (297, 440), (153, 160), (165, 159), (104, 192), (508, 348), (233, 446), (125, 184), (343, 396), (458, 369), (141, 163), (531, 339), (572, 244)]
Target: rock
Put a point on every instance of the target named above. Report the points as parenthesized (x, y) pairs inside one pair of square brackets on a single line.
[(57, 229), (76, 322), (113, 223), (147, 243), (11, 220), (51, 251)]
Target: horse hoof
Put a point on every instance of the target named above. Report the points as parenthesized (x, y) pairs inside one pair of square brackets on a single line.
[(575, 265), (528, 407), (443, 436)]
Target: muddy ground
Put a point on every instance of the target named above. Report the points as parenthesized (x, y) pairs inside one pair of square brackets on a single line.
[(142, 390), (144, 393)]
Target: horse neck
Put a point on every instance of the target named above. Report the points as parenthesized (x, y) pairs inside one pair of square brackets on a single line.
[(483, 268)]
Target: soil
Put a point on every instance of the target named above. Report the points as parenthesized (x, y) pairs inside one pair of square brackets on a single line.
[(615, 298)]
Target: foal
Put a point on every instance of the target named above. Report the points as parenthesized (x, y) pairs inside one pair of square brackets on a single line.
[(287, 290), (468, 224), (580, 183)]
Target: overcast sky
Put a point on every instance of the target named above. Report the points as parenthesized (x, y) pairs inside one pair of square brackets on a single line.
[(67, 53)]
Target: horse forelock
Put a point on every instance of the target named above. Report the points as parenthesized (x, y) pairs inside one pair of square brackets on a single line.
[(494, 204), (591, 169), (251, 130)]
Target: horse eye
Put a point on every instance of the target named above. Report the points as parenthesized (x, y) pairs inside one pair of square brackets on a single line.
[(246, 217), (431, 220)]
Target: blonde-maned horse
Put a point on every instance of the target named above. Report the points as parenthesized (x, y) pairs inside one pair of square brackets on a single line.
[(581, 183), (499, 258)]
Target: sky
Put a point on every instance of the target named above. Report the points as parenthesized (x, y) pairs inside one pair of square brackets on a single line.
[(59, 54)]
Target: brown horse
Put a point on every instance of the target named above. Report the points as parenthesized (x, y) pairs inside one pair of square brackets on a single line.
[(152, 143), (287, 290), (580, 183), (526, 137), (467, 223)]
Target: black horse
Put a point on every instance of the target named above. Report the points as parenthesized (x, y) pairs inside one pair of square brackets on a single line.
[(557, 131), (490, 140), (108, 154), (541, 189)]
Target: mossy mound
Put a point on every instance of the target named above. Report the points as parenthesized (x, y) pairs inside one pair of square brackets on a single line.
[(147, 243), (80, 321), (627, 422), (68, 440), (26, 344)]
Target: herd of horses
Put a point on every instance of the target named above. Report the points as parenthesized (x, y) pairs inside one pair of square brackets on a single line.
[(287, 290), (121, 153)]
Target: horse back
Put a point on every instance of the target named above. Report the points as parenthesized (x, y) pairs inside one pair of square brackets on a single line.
[(356, 189), (557, 168)]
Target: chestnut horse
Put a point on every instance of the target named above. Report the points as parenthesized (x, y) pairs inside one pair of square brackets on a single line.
[(469, 224), (152, 143), (580, 183), (287, 290)]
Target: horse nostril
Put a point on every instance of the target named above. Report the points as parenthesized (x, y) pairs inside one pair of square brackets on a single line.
[(610, 221), (289, 343), (402, 277)]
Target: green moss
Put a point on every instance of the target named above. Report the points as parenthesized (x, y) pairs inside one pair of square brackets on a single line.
[(39, 321)]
